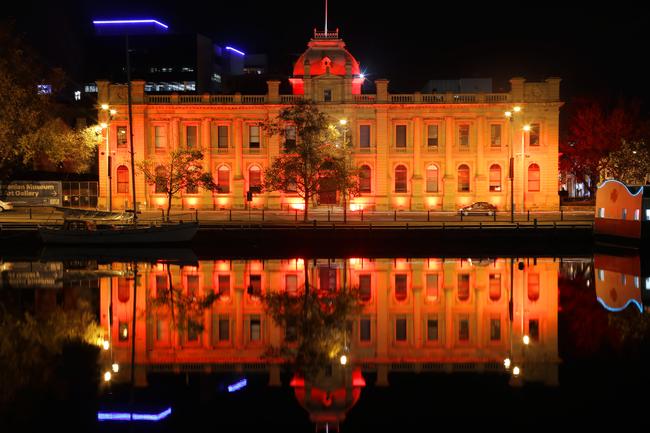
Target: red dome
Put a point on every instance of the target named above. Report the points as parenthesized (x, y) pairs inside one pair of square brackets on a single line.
[(323, 53)]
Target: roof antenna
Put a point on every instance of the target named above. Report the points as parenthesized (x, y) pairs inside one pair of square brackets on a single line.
[(325, 18)]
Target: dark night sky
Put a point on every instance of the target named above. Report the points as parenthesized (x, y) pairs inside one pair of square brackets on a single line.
[(594, 49)]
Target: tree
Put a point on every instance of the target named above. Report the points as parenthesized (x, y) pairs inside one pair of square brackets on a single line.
[(630, 163), (596, 129), (181, 171), (31, 129), (314, 158)]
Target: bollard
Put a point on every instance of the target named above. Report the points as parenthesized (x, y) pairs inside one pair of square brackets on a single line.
[(517, 225), (480, 225), (196, 215), (230, 215), (361, 214), (428, 216), (461, 216), (528, 217), (561, 215), (314, 223), (162, 214), (394, 215), (494, 216), (296, 218), (407, 226), (535, 222), (328, 215), (262, 214), (30, 213)]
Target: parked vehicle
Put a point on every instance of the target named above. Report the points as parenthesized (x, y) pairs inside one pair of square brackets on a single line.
[(5, 205), (478, 208)]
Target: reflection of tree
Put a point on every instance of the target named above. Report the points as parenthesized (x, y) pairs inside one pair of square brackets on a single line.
[(634, 329), (316, 323), (35, 349), (186, 308)]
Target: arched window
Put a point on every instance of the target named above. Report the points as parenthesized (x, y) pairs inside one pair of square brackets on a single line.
[(533, 287), (123, 289), (495, 287), (223, 180), (495, 178), (365, 179), (122, 180), (432, 178), (254, 177), (533, 177), (400, 179), (400, 287), (161, 180), (463, 178)]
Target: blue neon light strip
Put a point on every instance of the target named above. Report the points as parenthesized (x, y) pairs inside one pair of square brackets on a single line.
[(237, 385), (236, 51), (616, 310), (621, 183), (109, 22), (129, 416)]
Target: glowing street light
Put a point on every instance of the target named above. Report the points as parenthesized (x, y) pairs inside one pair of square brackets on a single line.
[(526, 340), (516, 371), (111, 112), (115, 367), (344, 360), (105, 345), (507, 363)]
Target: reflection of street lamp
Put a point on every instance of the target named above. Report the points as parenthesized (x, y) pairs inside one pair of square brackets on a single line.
[(511, 169), (105, 125)]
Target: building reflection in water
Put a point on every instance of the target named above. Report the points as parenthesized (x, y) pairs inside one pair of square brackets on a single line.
[(621, 282), (417, 315)]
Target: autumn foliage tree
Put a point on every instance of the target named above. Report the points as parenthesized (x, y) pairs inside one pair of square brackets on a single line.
[(597, 129), (182, 170), (31, 129)]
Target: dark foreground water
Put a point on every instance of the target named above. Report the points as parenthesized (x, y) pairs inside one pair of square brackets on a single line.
[(514, 343)]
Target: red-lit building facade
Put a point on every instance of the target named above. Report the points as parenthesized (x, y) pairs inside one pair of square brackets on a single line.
[(433, 151)]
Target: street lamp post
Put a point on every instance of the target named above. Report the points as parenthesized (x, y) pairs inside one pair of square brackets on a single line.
[(106, 125), (344, 123), (511, 166)]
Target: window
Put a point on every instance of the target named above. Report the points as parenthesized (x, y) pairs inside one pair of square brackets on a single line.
[(253, 137), (364, 329), (291, 283), (364, 136), (161, 180), (647, 214), (432, 136), (432, 178), (601, 212), (223, 180), (534, 135), (365, 179), (123, 331), (255, 328), (533, 177), (495, 178), (463, 329), (223, 286), (161, 284), (191, 136), (432, 287), (254, 178), (290, 139), (400, 287), (224, 328), (624, 214), (327, 277), (463, 136), (160, 137), (192, 285), (637, 214), (400, 329), (495, 135), (193, 329), (463, 287), (365, 290), (400, 179), (255, 286), (432, 329), (400, 136), (122, 180), (123, 290), (463, 178), (327, 95), (162, 330), (219, 137), (533, 329), (495, 287), (495, 329), (121, 136), (533, 287)]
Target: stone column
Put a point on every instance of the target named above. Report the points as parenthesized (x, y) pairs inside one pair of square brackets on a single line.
[(417, 183), (481, 192), (238, 177), (382, 175), (206, 145), (449, 180)]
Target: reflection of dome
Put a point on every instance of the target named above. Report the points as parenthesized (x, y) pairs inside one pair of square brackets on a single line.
[(328, 403)]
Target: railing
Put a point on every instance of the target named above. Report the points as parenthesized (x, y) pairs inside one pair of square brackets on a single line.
[(464, 99), (253, 99), (497, 97), (222, 99), (401, 99), (159, 99), (365, 99), (433, 99), (190, 99), (290, 99)]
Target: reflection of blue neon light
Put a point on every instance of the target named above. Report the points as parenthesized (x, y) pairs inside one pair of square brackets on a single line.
[(237, 385), (128, 416), (132, 22), (236, 51), (616, 310)]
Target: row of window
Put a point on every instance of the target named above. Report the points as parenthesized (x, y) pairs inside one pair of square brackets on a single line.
[(219, 136), (636, 217), (365, 179)]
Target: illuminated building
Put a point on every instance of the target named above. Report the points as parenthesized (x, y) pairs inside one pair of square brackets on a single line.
[(419, 151)]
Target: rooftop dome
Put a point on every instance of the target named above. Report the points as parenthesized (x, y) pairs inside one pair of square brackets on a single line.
[(325, 51)]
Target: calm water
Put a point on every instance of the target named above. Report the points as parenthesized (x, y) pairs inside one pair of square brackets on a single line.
[(500, 342)]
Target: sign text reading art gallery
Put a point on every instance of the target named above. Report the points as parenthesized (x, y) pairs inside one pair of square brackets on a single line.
[(32, 193)]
